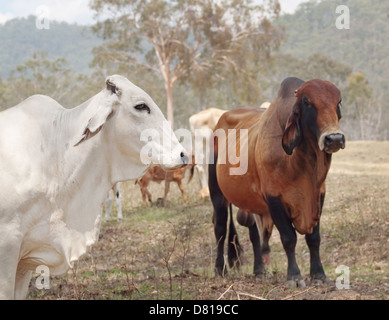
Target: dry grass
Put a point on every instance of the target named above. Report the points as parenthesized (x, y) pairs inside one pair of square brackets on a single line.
[(168, 253)]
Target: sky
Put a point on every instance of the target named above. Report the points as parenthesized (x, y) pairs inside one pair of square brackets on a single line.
[(74, 11)]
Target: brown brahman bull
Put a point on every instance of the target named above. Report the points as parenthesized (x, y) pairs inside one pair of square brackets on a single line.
[(288, 153)]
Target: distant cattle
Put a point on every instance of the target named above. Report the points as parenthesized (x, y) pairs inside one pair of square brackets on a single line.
[(57, 166), (201, 125), (118, 200), (265, 105), (157, 174), (289, 149)]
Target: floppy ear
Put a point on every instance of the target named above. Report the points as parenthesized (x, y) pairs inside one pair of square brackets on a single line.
[(101, 114), (95, 124), (292, 134)]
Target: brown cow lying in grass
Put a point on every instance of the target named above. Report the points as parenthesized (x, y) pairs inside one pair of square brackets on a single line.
[(157, 174)]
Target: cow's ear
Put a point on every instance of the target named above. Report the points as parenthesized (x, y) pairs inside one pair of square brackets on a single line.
[(112, 87), (292, 133), (96, 122)]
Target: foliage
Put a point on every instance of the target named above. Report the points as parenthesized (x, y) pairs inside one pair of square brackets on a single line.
[(186, 41), (40, 75), (311, 29), (363, 111), (314, 48), (314, 66), (20, 39)]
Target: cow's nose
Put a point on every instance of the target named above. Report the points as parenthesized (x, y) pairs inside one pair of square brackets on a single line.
[(184, 158), (334, 142)]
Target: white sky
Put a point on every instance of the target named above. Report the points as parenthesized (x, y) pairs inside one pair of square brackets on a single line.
[(72, 11), (76, 11)]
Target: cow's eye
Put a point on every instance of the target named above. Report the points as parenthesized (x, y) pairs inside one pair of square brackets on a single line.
[(142, 107), (339, 110)]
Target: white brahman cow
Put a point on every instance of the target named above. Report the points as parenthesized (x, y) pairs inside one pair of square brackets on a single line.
[(201, 126), (57, 166)]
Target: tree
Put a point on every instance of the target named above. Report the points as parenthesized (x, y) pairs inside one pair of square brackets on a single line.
[(185, 40), (54, 78), (363, 106), (4, 94), (314, 66)]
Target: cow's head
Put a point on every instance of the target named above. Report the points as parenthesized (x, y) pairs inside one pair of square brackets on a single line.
[(136, 131), (316, 113)]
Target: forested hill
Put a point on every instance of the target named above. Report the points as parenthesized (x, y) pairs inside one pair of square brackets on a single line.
[(20, 38), (364, 47), (355, 59), (311, 29)]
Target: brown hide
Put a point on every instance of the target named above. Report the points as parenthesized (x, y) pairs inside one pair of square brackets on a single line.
[(157, 174), (285, 158)]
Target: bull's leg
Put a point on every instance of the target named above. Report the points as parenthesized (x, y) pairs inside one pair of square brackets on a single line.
[(313, 242), (288, 239), (265, 227), (167, 189), (266, 247), (234, 248), (220, 217), (144, 200), (148, 194), (202, 172), (259, 268), (118, 199), (145, 192), (247, 220), (181, 187)]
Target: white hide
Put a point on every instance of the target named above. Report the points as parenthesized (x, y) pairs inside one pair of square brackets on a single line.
[(201, 125), (56, 168)]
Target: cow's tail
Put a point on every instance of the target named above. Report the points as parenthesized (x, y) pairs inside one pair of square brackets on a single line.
[(234, 248), (260, 228), (191, 173)]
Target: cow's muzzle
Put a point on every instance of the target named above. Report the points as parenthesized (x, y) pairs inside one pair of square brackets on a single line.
[(333, 142)]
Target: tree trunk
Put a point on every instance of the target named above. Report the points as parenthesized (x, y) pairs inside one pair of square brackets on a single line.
[(169, 110)]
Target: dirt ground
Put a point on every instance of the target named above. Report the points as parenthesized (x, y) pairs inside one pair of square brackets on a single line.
[(168, 253)]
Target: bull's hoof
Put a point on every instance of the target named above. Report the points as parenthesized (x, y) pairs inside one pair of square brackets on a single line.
[(260, 276), (321, 281), (160, 203), (204, 193), (296, 283), (220, 272)]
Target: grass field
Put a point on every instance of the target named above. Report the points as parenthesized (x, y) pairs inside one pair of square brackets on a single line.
[(169, 253)]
